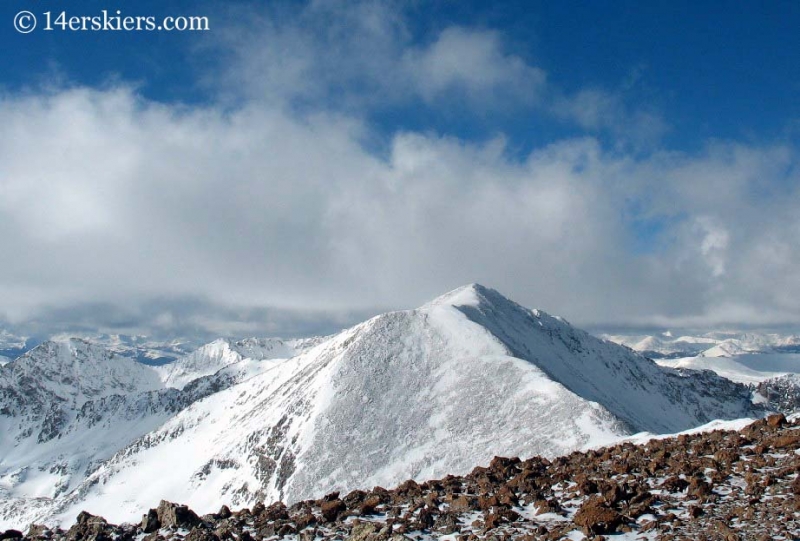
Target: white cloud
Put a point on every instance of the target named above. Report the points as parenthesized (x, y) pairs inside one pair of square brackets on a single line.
[(364, 57), (107, 199), (714, 241), (473, 63), (600, 110)]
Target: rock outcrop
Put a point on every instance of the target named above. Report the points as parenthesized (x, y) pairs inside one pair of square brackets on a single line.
[(727, 485)]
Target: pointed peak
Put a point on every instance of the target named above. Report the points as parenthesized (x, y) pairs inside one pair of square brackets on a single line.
[(59, 343), (481, 297), (486, 299), (469, 295)]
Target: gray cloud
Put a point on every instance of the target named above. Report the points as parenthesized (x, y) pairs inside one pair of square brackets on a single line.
[(195, 318)]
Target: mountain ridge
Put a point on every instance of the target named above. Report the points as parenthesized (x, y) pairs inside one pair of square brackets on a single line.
[(408, 394)]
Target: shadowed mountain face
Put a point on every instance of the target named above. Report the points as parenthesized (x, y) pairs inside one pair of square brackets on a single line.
[(413, 394)]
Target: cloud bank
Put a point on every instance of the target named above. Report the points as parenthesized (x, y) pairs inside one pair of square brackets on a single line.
[(273, 199)]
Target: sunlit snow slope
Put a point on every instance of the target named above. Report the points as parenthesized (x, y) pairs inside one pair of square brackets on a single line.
[(418, 393), (218, 354), (69, 405)]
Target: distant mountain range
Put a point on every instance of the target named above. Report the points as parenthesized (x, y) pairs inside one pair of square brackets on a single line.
[(411, 394), (707, 344), (143, 349)]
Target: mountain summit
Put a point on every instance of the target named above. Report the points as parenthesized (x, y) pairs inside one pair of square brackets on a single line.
[(409, 394)]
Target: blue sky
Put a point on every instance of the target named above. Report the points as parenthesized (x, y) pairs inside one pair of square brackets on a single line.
[(725, 70), (615, 162)]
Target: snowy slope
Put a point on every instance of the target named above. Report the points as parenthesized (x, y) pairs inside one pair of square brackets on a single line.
[(218, 354), (63, 406), (4, 360), (67, 406), (140, 348), (206, 360), (74, 371), (744, 368), (419, 394), (709, 344), (635, 389)]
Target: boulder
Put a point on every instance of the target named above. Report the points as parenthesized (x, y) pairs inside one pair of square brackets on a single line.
[(331, 509), (173, 515), (595, 518), (150, 522), (89, 527), (777, 420)]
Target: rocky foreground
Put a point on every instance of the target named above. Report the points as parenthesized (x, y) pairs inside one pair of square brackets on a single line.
[(722, 485)]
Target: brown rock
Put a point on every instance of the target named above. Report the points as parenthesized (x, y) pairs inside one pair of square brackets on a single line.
[(201, 534), (172, 515), (786, 440), (38, 531), (362, 532), (491, 521), (796, 486), (596, 518), (276, 511), (586, 486), (409, 487), (90, 528), (674, 484), (369, 504), (354, 499), (331, 509), (698, 488), (613, 494), (547, 506), (224, 512), (776, 420), (305, 520), (447, 523), (505, 496), (150, 522), (487, 502), (725, 531), (426, 518), (462, 503)]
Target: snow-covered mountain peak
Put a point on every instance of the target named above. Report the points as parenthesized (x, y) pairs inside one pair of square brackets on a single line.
[(476, 296), (409, 394), (224, 352), (76, 370), (490, 303), (468, 295)]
